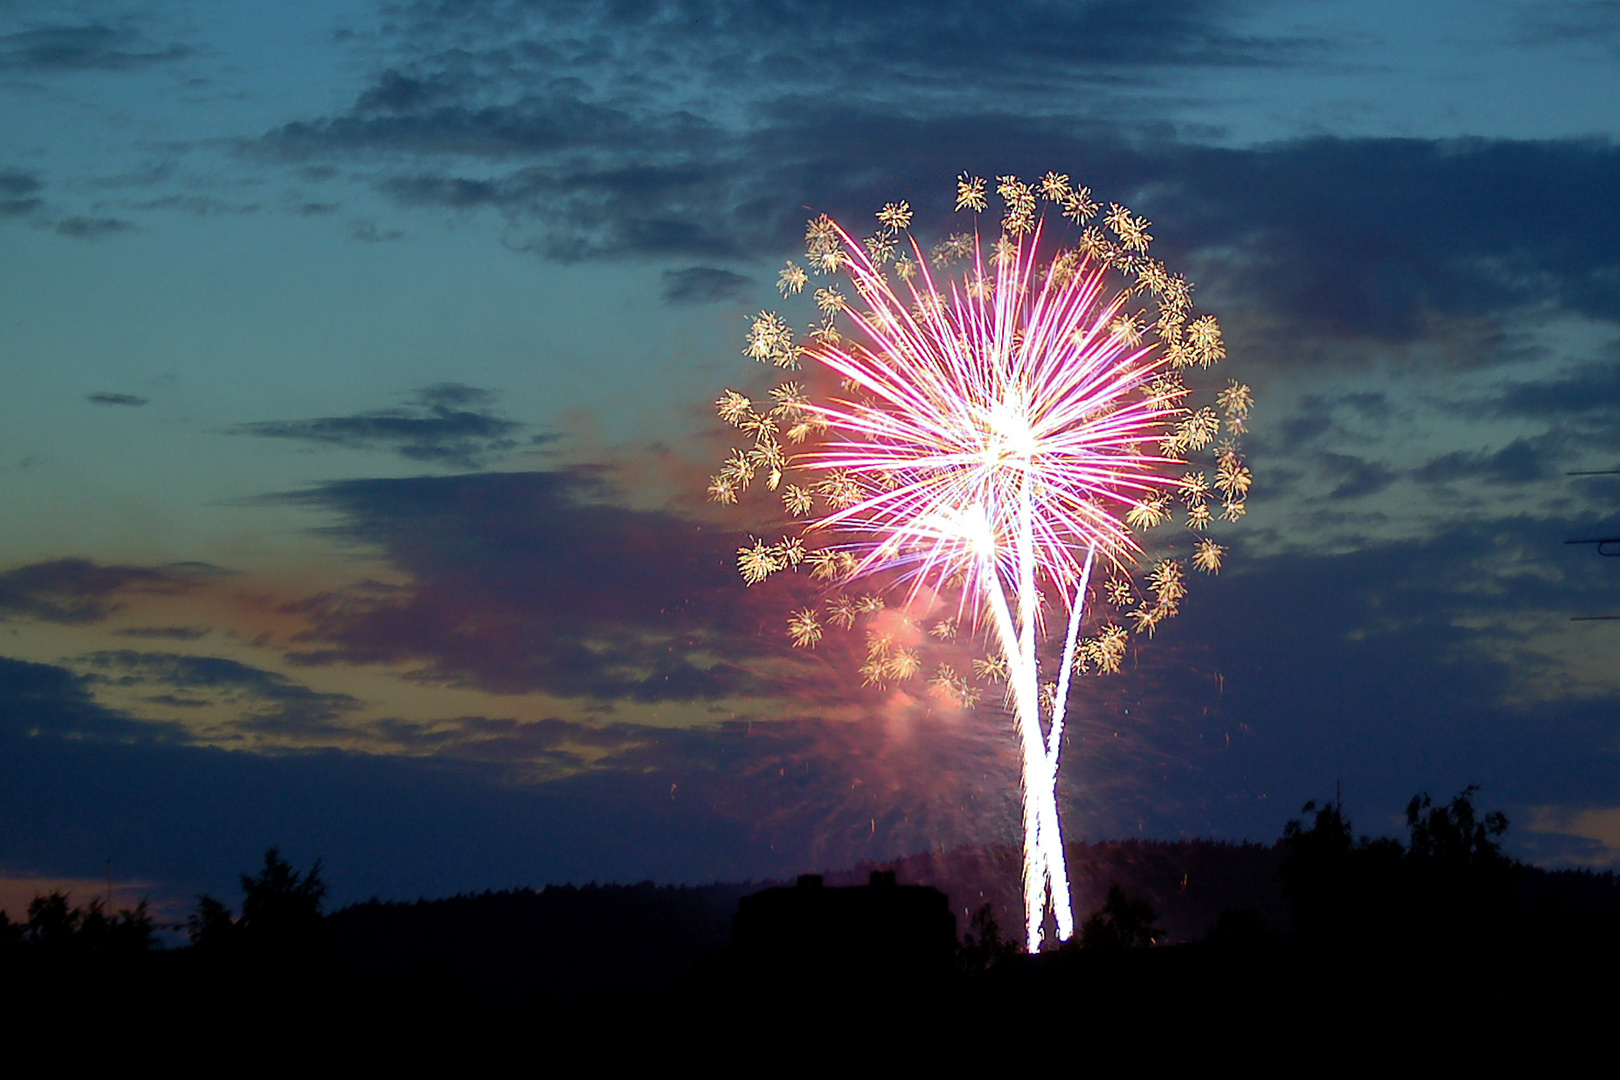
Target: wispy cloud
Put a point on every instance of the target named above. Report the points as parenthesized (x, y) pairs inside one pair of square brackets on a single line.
[(93, 228), (165, 633), (82, 591), (447, 424), (703, 285), (107, 398), (264, 702), (1581, 23), (82, 47)]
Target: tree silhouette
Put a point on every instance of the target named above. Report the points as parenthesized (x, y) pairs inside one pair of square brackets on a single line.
[(1338, 886), (210, 926), (127, 933), (53, 923), (1124, 922), (280, 905), (11, 933), (1451, 835), (281, 910), (983, 947), (1461, 884), (1449, 884), (55, 926)]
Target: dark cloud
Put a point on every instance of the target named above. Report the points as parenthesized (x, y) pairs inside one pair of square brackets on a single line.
[(1030, 47), (526, 581), (551, 743), (1373, 406), (574, 181), (201, 206), (447, 424), (15, 183), (1367, 239), (1354, 477), (88, 228), (394, 92), (633, 208), (266, 701), (1591, 391), (596, 131), (537, 126), (19, 193), (1571, 22), (106, 398), (90, 47), (369, 232), (1313, 420), (166, 633), (703, 285), (81, 591), (687, 128), (1438, 243), (1519, 462), (41, 700), (1318, 416), (148, 175)]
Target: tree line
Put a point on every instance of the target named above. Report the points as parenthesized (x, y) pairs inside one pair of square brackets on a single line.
[(1448, 882)]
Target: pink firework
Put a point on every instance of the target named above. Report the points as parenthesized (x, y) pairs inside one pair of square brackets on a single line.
[(1016, 395), (1001, 437)]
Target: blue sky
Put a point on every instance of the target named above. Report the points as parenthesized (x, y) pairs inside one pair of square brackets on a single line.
[(357, 362)]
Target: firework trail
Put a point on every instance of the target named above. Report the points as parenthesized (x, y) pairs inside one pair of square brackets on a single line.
[(1010, 436)]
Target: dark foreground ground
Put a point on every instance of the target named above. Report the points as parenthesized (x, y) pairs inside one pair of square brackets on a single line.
[(1319, 951), (1462, 1001)]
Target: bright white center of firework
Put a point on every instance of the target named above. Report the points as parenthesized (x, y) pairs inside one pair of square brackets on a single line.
[(976, 530), (1010, 434), (969, 527)]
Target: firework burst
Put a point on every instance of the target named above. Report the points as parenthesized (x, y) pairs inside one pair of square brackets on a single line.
[(1007, 439)]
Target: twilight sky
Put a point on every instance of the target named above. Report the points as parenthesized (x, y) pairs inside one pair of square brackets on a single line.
[(355, 375)]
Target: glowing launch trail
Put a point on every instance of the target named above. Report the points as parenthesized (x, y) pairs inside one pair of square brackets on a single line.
[(1012, 438)]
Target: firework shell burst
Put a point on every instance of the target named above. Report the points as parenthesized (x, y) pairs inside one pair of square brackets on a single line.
[(1006, 421)]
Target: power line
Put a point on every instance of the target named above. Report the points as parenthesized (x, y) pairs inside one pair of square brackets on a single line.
[(1602, 542)]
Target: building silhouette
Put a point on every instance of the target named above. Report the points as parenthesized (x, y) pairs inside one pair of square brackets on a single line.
[(880, 932)]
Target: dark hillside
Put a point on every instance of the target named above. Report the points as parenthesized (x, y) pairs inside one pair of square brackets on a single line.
[(561, 941), (1189, 882), (554, 942)]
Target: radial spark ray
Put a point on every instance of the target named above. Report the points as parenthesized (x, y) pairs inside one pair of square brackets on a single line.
[(1006, 434)]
